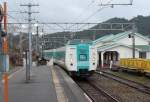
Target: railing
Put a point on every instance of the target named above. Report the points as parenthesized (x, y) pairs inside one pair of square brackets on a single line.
[(139, 64)]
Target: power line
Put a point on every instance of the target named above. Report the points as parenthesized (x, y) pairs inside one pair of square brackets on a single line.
[(105, 6), (115, 4), (94, 13), (100, 9), (79, 16)]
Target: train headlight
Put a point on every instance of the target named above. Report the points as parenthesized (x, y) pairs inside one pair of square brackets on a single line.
[(71, 58), (94, 57)]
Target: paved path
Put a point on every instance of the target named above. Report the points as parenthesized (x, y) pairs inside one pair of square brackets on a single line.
[(40, 88)]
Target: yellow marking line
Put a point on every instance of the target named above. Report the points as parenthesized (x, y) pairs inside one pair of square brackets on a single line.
[(11, 75), (61, 97)]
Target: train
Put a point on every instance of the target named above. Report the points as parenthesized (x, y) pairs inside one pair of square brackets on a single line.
[(79, 57)]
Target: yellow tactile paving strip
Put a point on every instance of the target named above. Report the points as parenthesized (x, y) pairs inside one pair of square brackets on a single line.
[(61, 97)]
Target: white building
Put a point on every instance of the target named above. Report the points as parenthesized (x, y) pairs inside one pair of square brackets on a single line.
[(113, 47)]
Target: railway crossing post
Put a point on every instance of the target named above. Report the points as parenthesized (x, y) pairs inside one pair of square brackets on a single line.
[(5, 52)]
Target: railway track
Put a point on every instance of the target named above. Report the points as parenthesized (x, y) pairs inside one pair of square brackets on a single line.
[(133, 84), (95, 93)]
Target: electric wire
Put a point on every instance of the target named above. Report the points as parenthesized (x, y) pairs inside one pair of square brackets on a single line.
[(100, 9)]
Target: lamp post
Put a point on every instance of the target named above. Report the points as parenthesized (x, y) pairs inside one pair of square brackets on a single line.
[(37, 37), (42, 43), (20, 39), (132, 35)]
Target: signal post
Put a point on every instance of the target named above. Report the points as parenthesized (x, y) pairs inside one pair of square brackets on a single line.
[(5, 48)]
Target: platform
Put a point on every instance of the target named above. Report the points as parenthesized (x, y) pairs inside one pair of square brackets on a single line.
[(40, 88), (71, 89), (47, 84)]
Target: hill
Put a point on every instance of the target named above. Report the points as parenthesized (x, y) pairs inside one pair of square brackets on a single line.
[(60, 39)]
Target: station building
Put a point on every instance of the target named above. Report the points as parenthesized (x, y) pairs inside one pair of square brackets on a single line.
[(113, 47)]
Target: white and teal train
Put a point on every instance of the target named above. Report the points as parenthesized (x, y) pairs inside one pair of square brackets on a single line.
[(79, 57)]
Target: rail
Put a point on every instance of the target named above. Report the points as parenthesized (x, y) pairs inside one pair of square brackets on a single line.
[(96, 93), (133, 84)]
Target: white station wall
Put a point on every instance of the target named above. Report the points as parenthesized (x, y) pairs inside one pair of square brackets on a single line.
[(138, 41), (147, 55), (124, 52)]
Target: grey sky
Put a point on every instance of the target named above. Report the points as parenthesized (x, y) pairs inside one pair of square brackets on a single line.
[(69, 10), (77, 10)]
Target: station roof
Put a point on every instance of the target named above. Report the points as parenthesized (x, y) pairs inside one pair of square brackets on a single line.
[(110, 46), (116, 37)]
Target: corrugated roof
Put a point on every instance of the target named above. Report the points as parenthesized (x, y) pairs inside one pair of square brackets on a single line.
[(118, 36), (109, 46), (104, 38)]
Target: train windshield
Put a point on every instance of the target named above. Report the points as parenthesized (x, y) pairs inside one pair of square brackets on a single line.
[(83, 57)]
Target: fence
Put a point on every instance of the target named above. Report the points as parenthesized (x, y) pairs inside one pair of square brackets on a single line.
[(139, 64)]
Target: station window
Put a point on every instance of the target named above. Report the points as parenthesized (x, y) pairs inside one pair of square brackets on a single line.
[(142, 55)]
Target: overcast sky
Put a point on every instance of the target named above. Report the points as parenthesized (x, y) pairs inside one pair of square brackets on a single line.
[(78, 10)]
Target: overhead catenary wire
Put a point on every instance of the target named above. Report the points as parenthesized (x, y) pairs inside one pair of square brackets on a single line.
[(86, 9), (100, 9), (83, 12)]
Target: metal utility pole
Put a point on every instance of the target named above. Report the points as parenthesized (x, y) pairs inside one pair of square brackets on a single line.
[(133, 39), (132, 35), (133, 45), (29, 12)]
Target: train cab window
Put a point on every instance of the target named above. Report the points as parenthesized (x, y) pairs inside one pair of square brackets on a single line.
[(83, 57)]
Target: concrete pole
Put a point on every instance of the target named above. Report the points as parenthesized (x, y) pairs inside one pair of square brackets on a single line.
[(30, 41), (133, 39), (133, 44)]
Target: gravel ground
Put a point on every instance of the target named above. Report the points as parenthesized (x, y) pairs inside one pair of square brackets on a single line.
[(131, 76), (122, 92)]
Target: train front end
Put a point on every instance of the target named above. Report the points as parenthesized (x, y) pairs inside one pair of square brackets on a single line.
[(81, 59)]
